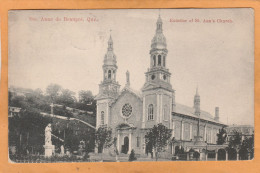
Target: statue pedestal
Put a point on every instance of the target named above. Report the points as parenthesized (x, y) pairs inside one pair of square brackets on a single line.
[(48, 150), (199, 141)]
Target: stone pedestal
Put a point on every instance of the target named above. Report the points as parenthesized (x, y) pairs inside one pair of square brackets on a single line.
[(199, 141), (48, 150)]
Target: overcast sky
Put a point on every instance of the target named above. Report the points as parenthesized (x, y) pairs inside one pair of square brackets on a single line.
[(218, 57)]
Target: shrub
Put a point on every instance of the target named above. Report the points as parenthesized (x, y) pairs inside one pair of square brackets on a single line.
[(132, 156)]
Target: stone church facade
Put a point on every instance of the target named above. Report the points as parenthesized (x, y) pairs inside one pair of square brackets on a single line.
[(131, 114)]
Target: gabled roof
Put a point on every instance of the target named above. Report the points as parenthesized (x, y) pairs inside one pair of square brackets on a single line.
[(186, 110), (137, 93), (160, 84), (130, 90), (102, 96)]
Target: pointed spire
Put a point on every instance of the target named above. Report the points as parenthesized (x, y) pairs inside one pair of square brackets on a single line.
[(127, 78), (197, 91), (196, 105), (159, 40), (216, 114), (159, 24), (110, 42)]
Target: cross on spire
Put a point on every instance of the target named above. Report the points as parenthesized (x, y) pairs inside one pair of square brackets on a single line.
[(197, 90)]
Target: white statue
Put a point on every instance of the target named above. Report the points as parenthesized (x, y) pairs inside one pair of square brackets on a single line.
[(48, 135), (62, 150)]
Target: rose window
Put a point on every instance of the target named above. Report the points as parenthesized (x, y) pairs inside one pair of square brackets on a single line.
[(127, 110)]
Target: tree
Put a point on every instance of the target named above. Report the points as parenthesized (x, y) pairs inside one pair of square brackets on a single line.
[(85, 97), (236, 140), (132, 156), (103, 137), (71, 141), (17, 101), (157, 138), (53, 92), (247, 147), (249, 143), (36, 99), (66, 97), (90, 140), (221, 136), (86, 101), (27, 130), (62, 111)]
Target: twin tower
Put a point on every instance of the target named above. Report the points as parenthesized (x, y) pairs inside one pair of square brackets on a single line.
[(158, 96), (157, 75)]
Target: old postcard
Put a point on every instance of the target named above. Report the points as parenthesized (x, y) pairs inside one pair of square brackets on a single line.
[(130, 85)]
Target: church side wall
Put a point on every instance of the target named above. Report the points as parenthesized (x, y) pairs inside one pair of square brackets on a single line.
[(186, 129)]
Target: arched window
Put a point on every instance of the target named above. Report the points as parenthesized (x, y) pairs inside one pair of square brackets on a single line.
[(109, 74), (159, 60), (102, 118), (154, 60), (165, 112), (159, 26), (164, 61), (150, 112), (105, 74), (114, 74)]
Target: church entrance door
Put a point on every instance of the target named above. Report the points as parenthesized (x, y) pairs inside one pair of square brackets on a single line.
[(125, 147)]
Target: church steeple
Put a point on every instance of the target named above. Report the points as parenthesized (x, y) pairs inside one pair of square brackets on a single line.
[(159, 25), (158, 50), (158, 74), (110, 63), (157, 92), (196, 105), (159, 40), (109, 86), (110, 44)]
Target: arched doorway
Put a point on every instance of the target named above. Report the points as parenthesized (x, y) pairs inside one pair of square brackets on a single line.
[(221, 154), (125, 147), (232, 154), (196, 155), (243, 154)]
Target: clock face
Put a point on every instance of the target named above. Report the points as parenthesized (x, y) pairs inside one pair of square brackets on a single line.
[(127, 110)]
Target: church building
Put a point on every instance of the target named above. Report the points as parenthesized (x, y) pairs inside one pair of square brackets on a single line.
[(131, 114)]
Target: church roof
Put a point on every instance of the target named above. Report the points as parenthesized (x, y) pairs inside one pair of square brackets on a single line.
[(137, 93), (128, 89), (186, 110)]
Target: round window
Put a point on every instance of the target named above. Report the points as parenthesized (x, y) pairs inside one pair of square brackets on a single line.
[(127, 110)]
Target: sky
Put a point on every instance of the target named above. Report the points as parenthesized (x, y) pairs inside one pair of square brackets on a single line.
[(217, 57)]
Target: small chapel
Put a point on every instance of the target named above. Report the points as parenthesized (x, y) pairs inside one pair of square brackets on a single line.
[(131, 114)]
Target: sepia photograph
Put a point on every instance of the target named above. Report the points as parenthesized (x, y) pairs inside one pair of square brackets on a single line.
[(130, 85)]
